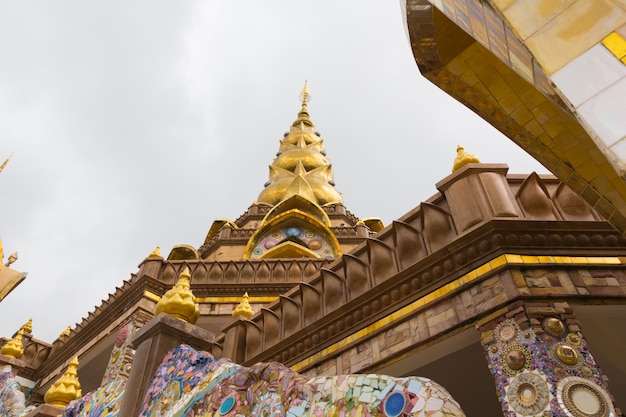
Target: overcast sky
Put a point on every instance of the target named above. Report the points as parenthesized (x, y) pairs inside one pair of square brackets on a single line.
[(135, 124)]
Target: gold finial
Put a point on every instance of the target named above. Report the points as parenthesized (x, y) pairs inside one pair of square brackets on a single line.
[(66, 388), (11, 259), (5, 162), (180, 301), (28, 326), (305, 97), (66, 332), (463, 158), (14, 347), (244, 308), (156, 253)]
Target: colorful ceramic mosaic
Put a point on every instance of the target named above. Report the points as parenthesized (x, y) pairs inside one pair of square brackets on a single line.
[(106, 400), (12, 399), (305, 237), (193, 384), (103, 402), (547, 375)]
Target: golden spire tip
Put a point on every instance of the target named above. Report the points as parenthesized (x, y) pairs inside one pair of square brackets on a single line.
[(305, 97)]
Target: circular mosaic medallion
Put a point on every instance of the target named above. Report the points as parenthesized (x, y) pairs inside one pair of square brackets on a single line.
[(574, 339), (565, 355), (394, 404), (579, 397), (515, 359), (293, 231), (554, 326), (506, 331), (528, 394)]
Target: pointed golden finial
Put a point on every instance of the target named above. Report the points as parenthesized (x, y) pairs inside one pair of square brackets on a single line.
[(65, 332), (304, 121), (14, 347), (66, 388), (463, 158), (156, 253), (305, 97), (11, 259), (28, 326), (180, 301), (244, 308), (5, 162)]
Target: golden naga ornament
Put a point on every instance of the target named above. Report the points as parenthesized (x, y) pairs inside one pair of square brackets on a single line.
[(180, 301), (14, 348), (244, 308), (66, 388)]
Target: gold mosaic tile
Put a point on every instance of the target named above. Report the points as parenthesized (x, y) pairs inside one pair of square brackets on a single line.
[(616, 44), (477, 22), (462, 16), (497, 36)]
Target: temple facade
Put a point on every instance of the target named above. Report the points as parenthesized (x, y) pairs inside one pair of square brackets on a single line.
[(502, 294)]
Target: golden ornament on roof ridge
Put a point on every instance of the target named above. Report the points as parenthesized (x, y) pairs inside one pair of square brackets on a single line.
[(463, 158), (28, 326), (66, 388), (179, 301), (14, 348), (244, 308)]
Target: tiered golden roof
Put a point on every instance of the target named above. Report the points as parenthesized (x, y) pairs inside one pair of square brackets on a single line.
[(301, 167), (300, 184), (14, 347), (244, 308), (180, 301), (156, 253), (66, 388)]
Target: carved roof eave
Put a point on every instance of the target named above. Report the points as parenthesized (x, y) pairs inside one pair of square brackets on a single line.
[(407, 284), (92, 327)]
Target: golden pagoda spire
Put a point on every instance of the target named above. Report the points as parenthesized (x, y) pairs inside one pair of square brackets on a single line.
[(179, 301), (301, 164), (66, 388), (28, 326), (14, 348), (244, 308), (463, 158)]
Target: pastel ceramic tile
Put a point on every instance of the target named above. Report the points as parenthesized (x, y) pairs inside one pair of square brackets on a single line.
[(604, 113), (588, 75), (528, 16), (573, 31)]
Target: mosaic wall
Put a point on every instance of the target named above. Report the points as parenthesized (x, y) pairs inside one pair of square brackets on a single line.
[(106, 400), (191, 384), (547, 374), (12, 399), (305, 237)]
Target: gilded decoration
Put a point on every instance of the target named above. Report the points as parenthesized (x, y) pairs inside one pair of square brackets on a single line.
[(554, 326), (579, 397), (528, 394), (565, 356), (515, 359)]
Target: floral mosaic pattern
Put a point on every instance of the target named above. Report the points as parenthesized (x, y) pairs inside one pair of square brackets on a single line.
[(106, 400), (192, 384), (12, 399), (531, 370), (306, 237)]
